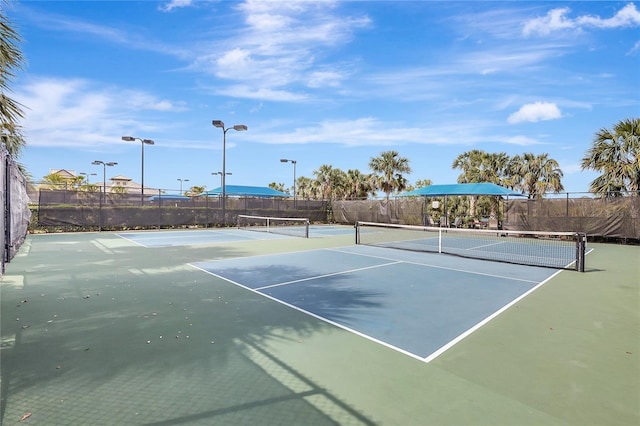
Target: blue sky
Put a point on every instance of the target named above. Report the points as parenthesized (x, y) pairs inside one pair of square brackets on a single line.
[(325, 82)]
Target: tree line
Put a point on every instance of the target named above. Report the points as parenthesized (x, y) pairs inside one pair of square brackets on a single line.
[(614, 153)]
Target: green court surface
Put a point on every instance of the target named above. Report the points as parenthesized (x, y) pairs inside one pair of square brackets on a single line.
[(99, 330)]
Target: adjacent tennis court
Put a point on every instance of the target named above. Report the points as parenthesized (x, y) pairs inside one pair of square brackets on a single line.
[(167, 238)]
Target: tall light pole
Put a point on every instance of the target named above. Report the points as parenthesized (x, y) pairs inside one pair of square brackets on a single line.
[(294, 162), (104, 172), (238, 128), (104, 183), (182, 180), (220, 173), (143, 142)]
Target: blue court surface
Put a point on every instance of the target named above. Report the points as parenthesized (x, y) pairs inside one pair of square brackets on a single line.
[(417, 303), (167, 238)]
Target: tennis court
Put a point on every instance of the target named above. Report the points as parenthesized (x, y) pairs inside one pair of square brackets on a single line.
[(418, 304), (229, 235), (178, 328)]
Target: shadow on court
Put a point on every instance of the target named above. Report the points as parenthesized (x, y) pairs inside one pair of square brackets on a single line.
[(132, 341), (414, 302)]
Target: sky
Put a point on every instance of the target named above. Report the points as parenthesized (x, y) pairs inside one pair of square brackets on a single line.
[(322, 83)]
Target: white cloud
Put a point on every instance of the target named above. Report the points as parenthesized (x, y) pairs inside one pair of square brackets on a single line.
[(261, 93), (628, 16), (554, 20), (64, 112), (538, 111), (175, 4), (520, 140), (366, 131), (558, 19), (282, 45)]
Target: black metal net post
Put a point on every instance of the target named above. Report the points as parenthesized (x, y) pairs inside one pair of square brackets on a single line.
[(581, 248)]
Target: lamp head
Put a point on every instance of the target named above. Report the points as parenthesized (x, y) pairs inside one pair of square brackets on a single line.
[(218, 123), (128, 138), (240, 128), (111, 163), (148, 141), (97, 162)]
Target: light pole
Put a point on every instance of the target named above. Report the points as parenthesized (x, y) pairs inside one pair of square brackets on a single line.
[(104, 183), (143, 142), (85, 177), (104, 172), (238, 128), (220, 173), (182, 180), (294, 162)]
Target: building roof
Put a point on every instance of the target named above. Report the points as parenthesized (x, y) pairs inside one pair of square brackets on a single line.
[(482, 188), (247, 191), (67, 174)]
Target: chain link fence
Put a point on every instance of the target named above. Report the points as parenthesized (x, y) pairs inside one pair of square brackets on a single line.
[(616, 216), (16, 216), (82, 210)]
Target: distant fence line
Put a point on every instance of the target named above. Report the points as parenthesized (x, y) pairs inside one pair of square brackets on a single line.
[(95, 210), (611, 217), (16, 215), (616, 217)]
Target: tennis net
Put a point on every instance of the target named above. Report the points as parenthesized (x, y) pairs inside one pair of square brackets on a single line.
[(294, 226), (560, 250)]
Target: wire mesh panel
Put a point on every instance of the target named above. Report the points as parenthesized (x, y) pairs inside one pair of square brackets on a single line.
[(562, 250), (294, 226)]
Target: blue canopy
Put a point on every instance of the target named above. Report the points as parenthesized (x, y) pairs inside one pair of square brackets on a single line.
[(483, 188), (246, 191)]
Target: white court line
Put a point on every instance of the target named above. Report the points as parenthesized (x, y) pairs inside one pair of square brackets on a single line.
[(451, 343), (318, 317), (437, 266), (329, 275), (101, 246), (132, 241), (485, 245), (427, 359)]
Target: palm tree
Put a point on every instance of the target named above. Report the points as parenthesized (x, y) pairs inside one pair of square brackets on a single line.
[(615, 154), (304, 188), (470, 163), (278, 187), (423, 183), (55, 181), (330, 181), (481, 166), (535, 174), (11, 59), (195, 190), (388, 168), (358, 185)]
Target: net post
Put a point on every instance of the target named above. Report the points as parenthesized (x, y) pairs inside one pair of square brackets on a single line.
[(439, 240), (581, 243), (306, 229), (357, 232)]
